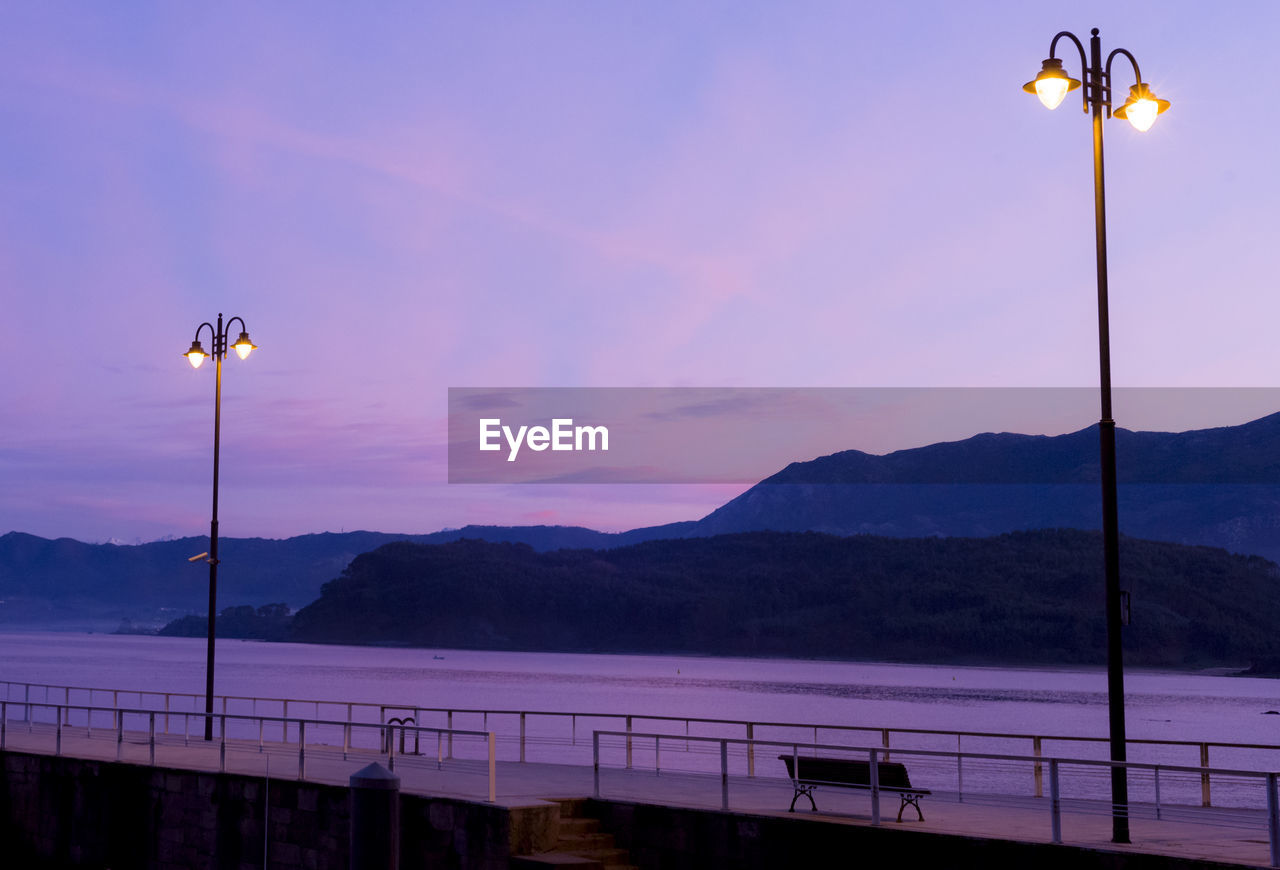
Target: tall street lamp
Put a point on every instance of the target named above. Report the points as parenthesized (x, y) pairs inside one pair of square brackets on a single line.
[(1140, 109), (196, 355)]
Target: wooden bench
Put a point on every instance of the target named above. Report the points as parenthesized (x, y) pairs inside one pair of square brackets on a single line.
[(850, 773)]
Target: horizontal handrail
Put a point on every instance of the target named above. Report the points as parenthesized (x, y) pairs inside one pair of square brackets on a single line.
[(749, 727), (942, 753), (657, 717), (1269, 778), (62, 715)]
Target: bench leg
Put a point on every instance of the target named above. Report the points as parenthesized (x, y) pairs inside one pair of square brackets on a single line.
[(913, 801), (807, 791)]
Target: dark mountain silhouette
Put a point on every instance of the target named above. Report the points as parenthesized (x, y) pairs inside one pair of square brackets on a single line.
[(1022, 597), (49, 582), (1217, 487)]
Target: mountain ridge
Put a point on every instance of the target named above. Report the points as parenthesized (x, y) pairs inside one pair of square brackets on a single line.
[(1215, 487)]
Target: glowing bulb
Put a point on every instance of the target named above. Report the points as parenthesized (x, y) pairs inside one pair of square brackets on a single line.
[(1142, 107), (1142, 113), (243, 346), (195, 354), (1051, 84), (1051, 90)]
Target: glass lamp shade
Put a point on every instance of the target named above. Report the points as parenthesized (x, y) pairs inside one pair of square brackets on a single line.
[(1142, 107), (243, 346), (1052, 84), (195, 355)]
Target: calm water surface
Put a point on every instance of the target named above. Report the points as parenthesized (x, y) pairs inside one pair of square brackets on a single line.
[(1177, 706)]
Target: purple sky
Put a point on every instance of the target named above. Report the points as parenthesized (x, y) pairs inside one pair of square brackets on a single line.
[(409, 197)]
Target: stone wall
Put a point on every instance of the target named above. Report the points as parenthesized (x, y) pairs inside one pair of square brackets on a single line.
[(672, 838), (68, 812)]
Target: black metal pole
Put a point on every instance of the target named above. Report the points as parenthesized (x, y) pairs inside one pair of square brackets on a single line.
[(1107, 446), (219, 350)]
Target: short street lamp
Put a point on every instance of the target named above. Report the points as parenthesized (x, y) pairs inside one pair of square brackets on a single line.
[(1140, 109), (196, 355)]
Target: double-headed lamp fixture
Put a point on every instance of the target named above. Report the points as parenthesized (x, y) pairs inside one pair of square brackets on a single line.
[(1140, 109), (243, 347)]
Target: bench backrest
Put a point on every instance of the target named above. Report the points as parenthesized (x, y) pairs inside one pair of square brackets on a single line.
[(846, 771)]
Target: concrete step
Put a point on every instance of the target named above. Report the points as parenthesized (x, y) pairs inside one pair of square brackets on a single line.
[(585, 841), (605, 855), (554, 859), (577, 827), (579, 834), (571, 807)]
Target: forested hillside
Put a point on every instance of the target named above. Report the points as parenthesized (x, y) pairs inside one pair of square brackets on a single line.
[(1019, 597)]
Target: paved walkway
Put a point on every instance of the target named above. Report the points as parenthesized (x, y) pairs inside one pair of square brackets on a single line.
[(1234, 836)]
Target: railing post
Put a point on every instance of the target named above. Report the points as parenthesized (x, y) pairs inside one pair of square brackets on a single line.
[(628, 743), (115, 707), (26, 712), (119, 736), (595, 761), (284, 722), (439, 750), (1273, 820), (724, 773), (1039, 768), (302, 749), (1204, 777), (1156, 770), (959, 772), (884, 741), (57, 712), (261, 723), (391, 747), (751, 749), (346, 737), (4, 716), (493, 770), (449, 724), (657, 755), (166, 712), (875, 788), (522, 738), (1055, 808), (151, 737), (222, 750)]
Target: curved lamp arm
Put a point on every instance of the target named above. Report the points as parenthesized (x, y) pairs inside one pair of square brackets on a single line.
[(1142, 106), (196, 354), (1084, 63)]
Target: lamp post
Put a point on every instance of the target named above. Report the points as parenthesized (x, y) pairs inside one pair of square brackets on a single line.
[(196, 356), (1140, 109)]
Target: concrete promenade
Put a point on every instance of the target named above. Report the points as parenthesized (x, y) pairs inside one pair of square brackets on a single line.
[(1220, 835)]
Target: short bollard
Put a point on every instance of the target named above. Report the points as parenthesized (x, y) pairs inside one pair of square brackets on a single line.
[(375, 819)]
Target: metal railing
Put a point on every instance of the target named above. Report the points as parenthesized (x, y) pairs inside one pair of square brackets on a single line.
[(1090, 784), (556, 733), (380, 743)]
